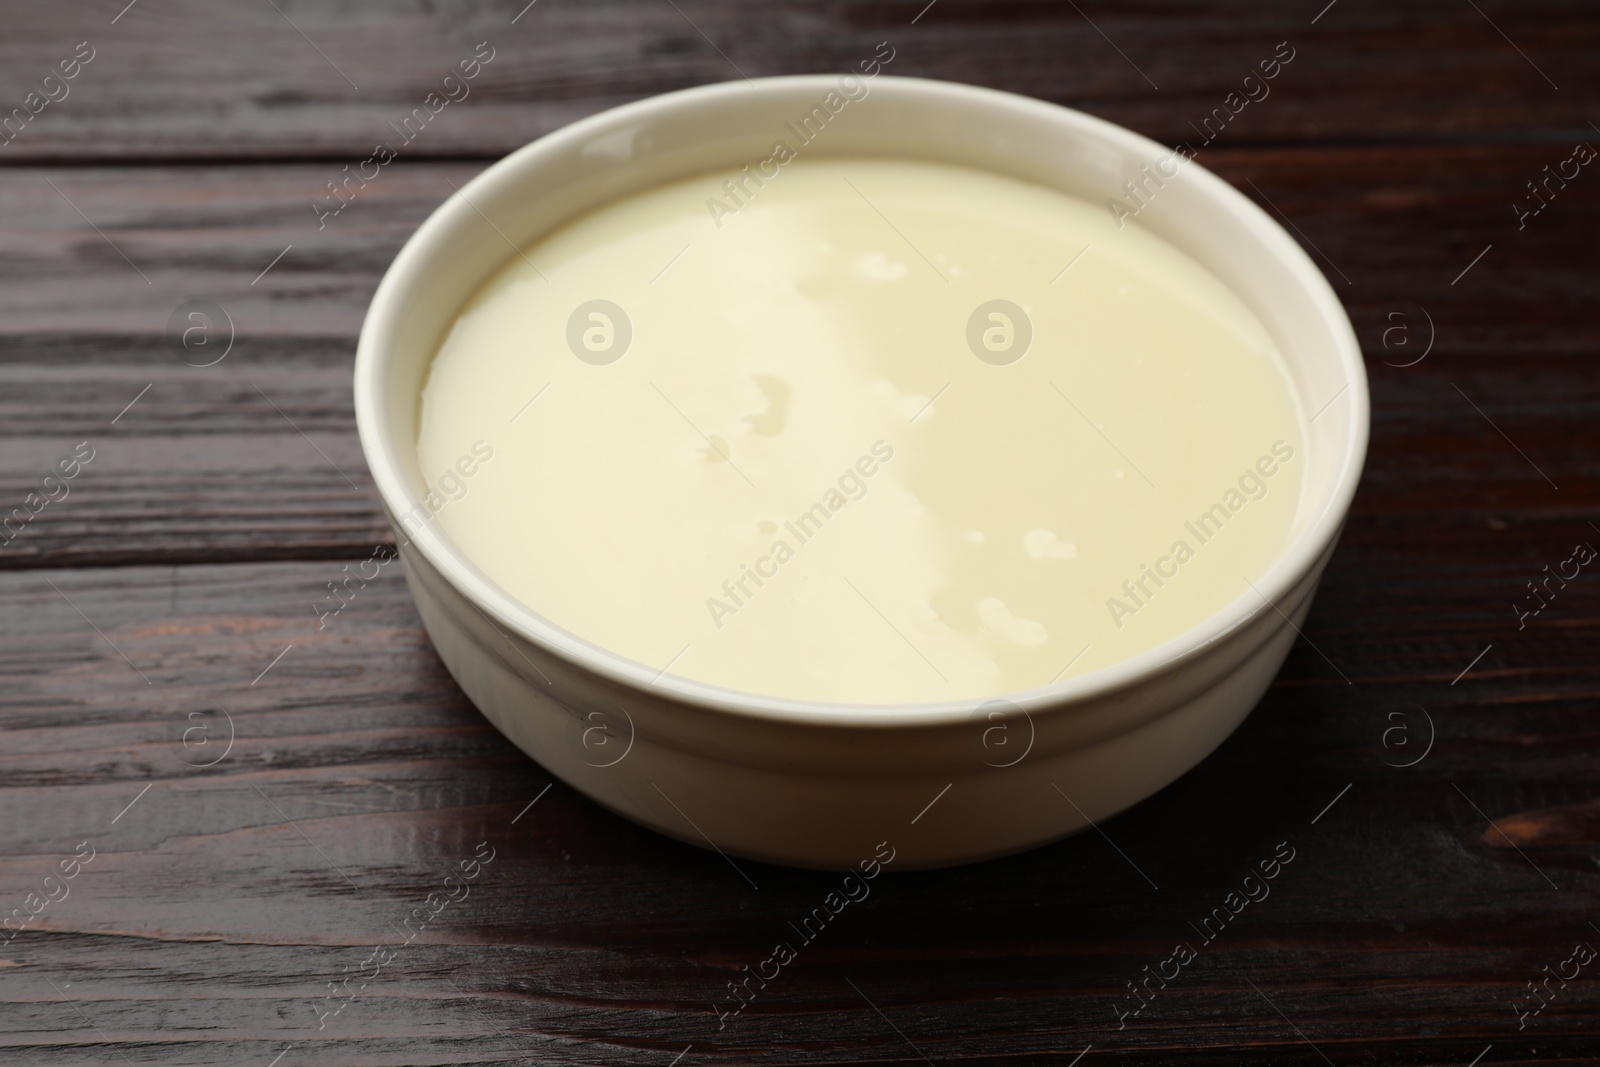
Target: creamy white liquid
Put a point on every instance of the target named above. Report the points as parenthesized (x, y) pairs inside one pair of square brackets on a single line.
[(975, 527)]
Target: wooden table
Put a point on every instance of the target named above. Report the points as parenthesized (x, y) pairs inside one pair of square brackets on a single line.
[(265, 801)]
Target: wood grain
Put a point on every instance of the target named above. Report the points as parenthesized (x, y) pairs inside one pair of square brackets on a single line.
[(255, 458), (208, 924), (184, 79)]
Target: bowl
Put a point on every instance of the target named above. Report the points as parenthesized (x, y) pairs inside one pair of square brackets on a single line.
[(828, 785)]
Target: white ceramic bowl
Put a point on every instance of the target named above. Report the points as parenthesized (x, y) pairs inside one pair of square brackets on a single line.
[(819, 785)]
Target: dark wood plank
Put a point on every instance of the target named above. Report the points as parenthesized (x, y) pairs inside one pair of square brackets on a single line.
[(205, 467), (189, 79), (207, 925)]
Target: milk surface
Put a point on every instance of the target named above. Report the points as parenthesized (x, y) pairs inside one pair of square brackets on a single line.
[(869, 431)]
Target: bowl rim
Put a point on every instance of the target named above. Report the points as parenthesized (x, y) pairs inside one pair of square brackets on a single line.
[(409, 269)]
